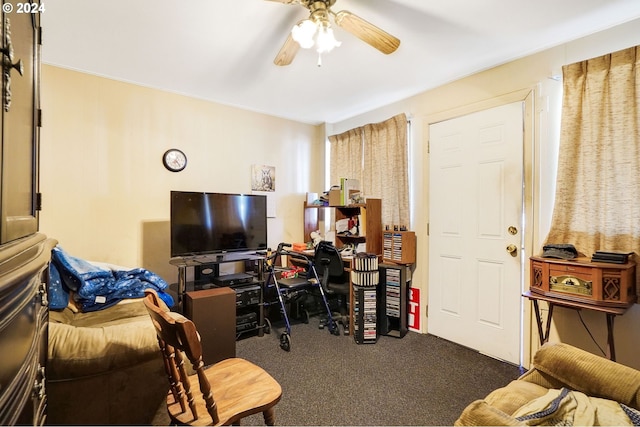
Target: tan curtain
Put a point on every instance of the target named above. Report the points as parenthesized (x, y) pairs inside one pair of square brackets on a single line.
[(386, 168), (597, 205), (346, 156), (377, 155)]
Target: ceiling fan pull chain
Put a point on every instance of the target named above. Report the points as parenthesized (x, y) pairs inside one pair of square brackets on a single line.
[(319, 59)]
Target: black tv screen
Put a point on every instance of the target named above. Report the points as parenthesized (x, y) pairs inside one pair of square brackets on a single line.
[(203, 223)]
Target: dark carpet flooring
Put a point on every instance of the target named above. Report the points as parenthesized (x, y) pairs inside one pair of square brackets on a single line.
[(331, 380)]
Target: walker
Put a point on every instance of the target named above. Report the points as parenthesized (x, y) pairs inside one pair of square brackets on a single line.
[(284, 295)]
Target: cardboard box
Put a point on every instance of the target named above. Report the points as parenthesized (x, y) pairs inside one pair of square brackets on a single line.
[(334, 198)]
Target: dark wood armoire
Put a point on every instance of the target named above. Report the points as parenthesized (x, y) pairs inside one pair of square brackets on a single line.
[(24, 252)]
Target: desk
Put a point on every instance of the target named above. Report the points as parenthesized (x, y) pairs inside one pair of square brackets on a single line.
[(610, 312)]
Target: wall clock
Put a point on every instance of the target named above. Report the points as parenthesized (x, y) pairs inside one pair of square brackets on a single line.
[(174, 160)]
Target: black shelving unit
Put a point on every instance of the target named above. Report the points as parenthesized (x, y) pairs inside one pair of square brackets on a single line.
[(394, 290), (365, 277), (365, 318), (249, 286), (249, 309)]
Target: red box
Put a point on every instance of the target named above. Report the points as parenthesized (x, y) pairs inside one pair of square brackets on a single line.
[(414, 309), (299, 247)]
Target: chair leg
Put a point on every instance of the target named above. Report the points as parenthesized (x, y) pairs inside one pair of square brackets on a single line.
[(270, 416), (345, 325)]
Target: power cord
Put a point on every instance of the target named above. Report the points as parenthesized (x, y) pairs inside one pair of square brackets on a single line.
[(589, 332)]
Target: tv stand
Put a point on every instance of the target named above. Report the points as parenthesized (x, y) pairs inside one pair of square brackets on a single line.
[(212, 261), (194, 260), (207, 267)]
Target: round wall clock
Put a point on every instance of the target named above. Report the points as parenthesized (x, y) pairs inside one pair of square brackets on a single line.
[(174, 160)]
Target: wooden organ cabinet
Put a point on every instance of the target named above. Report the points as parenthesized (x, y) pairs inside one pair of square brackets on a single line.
[(578, 284), (24, 253), (596, 283)]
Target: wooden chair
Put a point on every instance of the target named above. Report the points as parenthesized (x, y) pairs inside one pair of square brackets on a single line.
[(230, 389)]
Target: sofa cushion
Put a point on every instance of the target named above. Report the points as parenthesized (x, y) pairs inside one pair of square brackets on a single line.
[(480, 413), (83, 344), (114, 315), (511, 397), (594, 376), (573, 408)]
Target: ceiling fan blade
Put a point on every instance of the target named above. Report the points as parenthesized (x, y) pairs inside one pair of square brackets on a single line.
[(286, 1), (367, 32), (287, 52)]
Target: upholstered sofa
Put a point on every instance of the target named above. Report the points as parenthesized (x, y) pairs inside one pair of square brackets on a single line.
[(569, 385), (104, 367)]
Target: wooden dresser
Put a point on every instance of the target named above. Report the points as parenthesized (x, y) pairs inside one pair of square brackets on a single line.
[(23, 329), (24, 253)]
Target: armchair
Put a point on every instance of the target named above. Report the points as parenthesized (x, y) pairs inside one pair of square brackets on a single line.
[(567, 384)]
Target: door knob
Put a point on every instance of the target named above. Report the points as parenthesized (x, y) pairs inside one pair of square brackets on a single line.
[(513, 250)]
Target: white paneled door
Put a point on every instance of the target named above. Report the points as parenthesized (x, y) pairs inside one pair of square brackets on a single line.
[(475, 230)]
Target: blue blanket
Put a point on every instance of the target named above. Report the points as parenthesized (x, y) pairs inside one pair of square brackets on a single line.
[(97, 287)]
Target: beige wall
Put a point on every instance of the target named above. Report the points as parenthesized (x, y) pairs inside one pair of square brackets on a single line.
[(531, 78), (105, 190), (106, 194)]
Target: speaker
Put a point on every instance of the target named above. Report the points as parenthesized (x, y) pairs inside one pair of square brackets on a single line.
[(204, 274), (213, 311)]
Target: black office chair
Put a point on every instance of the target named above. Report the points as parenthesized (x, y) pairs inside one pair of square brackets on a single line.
[(335, 282)]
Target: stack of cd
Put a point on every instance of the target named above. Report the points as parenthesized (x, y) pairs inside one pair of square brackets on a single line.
[(365, 278), (365, 270), (365, 262)]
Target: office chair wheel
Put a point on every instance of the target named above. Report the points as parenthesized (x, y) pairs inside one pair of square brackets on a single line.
[(322, 323), (333, 328), (285, 341)]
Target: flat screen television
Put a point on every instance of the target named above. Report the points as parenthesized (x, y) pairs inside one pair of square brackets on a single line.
[(205, 223)]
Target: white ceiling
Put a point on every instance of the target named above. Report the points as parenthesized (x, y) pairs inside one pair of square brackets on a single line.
[(223, 50)]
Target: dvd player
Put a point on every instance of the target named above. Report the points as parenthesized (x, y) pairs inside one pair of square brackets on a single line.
[(233, 279), (247, 295)]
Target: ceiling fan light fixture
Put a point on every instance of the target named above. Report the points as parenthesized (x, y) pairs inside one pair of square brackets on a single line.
[(315, 32), (325, 40), (304, 33)]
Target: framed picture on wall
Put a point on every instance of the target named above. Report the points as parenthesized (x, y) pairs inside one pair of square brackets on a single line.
[(263, 178)]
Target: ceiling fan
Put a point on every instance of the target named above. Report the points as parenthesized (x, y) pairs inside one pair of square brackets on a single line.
[(316, 31)]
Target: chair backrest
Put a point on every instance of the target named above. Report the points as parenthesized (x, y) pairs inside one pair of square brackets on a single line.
[(178, 334), (328, 260)]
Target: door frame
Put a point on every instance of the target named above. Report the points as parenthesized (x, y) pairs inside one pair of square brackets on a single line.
[(531, 188)]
